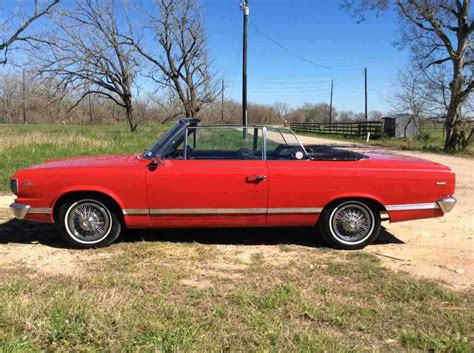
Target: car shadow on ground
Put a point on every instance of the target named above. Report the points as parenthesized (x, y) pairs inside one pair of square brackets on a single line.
[(23, 232)]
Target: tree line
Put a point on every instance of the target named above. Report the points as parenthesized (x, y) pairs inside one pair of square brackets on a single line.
[(25, 99), (85, 59)]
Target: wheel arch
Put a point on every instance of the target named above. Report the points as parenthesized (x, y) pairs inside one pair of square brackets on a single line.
[(78, 194), (361, 198)]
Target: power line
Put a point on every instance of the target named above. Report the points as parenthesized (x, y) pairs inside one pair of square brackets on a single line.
[(296, 54)]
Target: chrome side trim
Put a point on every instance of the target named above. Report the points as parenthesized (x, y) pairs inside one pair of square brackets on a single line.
[(295, 210), (39, 210), (209, 211), (184, 211), (20, 210), (412, 206), (132, 211)]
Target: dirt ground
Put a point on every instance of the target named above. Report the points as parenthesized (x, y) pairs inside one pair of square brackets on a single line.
[(441, 248)]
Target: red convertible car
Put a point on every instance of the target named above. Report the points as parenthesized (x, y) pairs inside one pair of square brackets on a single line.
[(232, 176)]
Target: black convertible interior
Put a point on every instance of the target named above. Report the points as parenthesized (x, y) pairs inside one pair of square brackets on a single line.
[(282, 152)]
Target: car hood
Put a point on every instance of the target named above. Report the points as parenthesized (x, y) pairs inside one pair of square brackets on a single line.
[(397, 161), (116, 160)]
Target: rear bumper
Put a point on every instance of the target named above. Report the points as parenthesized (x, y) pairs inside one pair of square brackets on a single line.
[(447, 203), (21, 210)]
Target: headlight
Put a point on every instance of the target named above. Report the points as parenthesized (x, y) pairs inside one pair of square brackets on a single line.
[(14, 186)]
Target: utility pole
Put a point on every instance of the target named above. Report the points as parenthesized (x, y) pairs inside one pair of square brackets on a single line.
[(330, 104), (222, 102), (245, 9), (365, 79), (24, 97)]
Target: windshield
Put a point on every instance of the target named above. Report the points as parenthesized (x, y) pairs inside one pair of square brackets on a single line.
[(164, 139), (281, 136), (282, 144)]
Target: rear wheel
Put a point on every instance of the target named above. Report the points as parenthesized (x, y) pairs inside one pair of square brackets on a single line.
[(89, 223), (350, 224)]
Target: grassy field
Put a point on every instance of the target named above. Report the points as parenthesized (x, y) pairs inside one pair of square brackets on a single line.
[(25, 145), (431, 140), (166, 296)]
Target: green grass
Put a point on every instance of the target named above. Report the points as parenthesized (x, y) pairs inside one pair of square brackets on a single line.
[(25, 145), (228, 139), (140, 299), (432, 140)]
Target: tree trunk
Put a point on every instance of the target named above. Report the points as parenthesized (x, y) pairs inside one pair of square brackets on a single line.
[(130, 117), (452, 140), (453, 126), (455, 130)]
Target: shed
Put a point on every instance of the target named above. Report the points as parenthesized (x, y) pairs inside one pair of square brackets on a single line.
[(400, 126)]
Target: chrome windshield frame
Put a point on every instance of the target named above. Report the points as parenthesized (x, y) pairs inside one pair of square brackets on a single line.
[(182, 124), (255, 127), (187, 124), (288, 130)]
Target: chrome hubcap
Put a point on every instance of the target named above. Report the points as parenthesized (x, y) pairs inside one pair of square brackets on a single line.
[(352, 222), (88, 222)]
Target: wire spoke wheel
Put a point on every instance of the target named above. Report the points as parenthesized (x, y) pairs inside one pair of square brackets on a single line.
[(352, 222), (88, 221)]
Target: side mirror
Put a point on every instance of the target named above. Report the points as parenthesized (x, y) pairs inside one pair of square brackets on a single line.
[(154, 163)]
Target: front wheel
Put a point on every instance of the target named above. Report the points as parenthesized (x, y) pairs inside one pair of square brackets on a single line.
[(350, 224), (88, 223)]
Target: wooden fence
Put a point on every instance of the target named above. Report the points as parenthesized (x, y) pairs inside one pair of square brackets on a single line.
[(359, 129)]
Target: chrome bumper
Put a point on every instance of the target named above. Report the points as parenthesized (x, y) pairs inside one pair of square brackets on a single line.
[(19, 210), (447, 203)]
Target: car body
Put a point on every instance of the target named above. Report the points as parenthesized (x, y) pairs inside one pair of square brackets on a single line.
[(197, 176)]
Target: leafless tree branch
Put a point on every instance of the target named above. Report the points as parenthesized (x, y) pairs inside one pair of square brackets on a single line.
[(87, 54), (7, 40)]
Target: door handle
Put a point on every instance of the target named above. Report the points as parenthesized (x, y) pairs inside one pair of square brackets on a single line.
[(255, 178)]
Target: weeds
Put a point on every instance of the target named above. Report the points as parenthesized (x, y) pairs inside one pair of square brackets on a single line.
[(282, 306)]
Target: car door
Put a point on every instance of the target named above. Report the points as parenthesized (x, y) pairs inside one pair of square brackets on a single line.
[(216, 182), (291, 177)]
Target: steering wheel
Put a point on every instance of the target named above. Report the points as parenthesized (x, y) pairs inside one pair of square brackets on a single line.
[(189, 152)]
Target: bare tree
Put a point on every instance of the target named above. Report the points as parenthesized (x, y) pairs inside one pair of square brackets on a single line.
[(9, 98), (412, 97), (281, 110), (375, 115), (318, 112), (88, 55), (180, 60), (438, 33), (17, 32)]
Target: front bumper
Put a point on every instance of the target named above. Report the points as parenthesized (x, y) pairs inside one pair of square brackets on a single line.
[(19, 210), (447, 203)]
